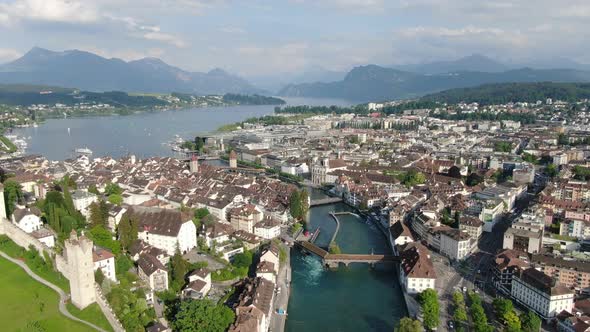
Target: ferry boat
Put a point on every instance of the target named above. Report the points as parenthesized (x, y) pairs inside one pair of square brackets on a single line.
[(84, 151)]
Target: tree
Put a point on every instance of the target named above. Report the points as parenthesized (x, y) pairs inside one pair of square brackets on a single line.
[(179, 269), (201, 316), (13, 194), (406, 324), (430, 308), (127, 230), (99, 276), (512, 322), (199, 215), (243, 260), (502, 307), (103, 238), (116, 199), (112, 189), (455, 172), (473, 179), (96, 217), (335, 249), (551, 170), (295, 207), (530, 322), (93, 190), (460, 315)]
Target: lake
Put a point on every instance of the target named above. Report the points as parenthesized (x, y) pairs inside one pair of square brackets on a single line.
[(142, 134)]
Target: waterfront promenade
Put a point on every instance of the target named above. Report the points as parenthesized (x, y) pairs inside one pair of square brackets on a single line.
[(277, 322)]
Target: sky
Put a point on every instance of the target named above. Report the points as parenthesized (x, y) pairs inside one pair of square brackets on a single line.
[(257, 38)]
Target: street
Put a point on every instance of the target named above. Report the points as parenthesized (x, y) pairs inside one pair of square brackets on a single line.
[(277, 322)]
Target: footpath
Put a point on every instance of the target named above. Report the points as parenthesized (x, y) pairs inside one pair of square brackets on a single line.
[(63, 297)]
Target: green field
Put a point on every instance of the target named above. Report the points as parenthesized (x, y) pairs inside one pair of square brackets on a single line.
[(26, 305)]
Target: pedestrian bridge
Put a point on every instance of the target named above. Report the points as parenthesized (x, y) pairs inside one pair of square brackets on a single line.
[(325, 201), (334, 260)]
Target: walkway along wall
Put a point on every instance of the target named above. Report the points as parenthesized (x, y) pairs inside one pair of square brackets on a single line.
[(25, 240)]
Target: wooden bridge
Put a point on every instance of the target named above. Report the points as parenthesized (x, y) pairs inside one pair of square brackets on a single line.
[(325, 201), (333, 260)]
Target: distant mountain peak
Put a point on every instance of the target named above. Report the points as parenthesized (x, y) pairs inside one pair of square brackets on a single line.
[(91, 72)]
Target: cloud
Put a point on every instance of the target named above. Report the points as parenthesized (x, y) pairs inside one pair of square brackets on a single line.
[(63, 11), (166, 38), (8, 54)]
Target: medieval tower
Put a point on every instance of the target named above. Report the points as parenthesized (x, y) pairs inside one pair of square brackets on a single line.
[(81, 268), (194, 164), (233, 159)]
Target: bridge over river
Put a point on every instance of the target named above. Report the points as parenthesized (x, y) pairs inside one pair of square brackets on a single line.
[(333, 260), (325, 201)]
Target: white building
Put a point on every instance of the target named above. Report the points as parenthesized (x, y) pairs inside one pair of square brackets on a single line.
[(82, 200), (27, 219), (456, 244), (199, 284), (268, 228), (416, 270), (165, 229), (540, 293), (104, 260)]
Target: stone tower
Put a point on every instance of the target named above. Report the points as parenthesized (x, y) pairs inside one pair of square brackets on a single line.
[(194, 164), (2, 204), (233, 159), (81, 268)]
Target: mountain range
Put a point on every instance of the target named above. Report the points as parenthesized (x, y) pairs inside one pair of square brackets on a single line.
[(88, 71), (376, 83)]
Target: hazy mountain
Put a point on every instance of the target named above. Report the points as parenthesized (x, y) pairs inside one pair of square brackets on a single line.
[(307, 75), (91, 72), (475, 62), (373, 83)]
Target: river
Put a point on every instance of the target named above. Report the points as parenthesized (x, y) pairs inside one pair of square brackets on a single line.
[(142, 134), (350, 299), (357, 298)]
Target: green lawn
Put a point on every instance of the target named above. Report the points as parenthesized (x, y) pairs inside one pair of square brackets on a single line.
[(91, 314), (26, 305)]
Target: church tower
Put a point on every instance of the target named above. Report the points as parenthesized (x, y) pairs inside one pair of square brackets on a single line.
[(81, 267), (2, 204), (233, 159), (194, 164)]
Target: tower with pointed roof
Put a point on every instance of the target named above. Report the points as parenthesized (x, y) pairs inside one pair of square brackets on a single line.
[(194, 164), (233, 159)]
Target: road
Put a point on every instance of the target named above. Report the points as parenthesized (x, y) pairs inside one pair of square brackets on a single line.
[(277, 322), (63, 297)]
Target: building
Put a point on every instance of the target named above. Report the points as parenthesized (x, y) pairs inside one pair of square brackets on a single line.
[(266, 270), (81, 273), (82, 200), (320, 170), (249, 319), (105, 261), (472, 226), (456, 244), (45, 236), (257, 293), (268, 228), (244, 218), (416, 270), (199, 284), (491, 213), (572, 273), (577, 228), (524, 237), (506, 265), (540, 293), (165, 229), (27, 219), (153, 273)]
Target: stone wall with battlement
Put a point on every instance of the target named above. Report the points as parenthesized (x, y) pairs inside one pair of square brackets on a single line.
[(21, 238)]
